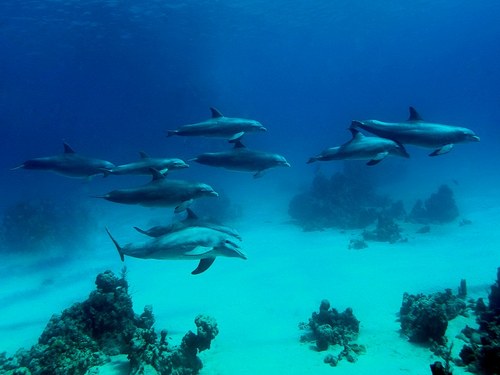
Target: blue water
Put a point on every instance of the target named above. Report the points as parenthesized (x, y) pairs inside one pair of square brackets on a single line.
[(111, 77)]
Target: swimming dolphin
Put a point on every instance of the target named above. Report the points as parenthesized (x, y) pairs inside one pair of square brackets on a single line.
[(240, 158), (219, 126), (188, 243), (68, 164), (361, 147), (191, 220), (161, 192), (145, 163), (416, 131)]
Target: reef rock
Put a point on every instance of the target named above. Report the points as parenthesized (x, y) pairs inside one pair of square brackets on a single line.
[(424, 318), (88, 333), (482, 354), (439, 208)]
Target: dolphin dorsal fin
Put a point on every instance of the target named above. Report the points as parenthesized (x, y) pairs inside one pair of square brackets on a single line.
[(414, 116), (143, 155), (190, 214), (356, 134), (238, 144), (215, 113), (68, 149), (156, 174)]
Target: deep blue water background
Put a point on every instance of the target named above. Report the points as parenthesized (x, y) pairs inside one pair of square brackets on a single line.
[(110, 77)]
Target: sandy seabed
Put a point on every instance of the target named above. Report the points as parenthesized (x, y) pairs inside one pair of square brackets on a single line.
[(258, 303)]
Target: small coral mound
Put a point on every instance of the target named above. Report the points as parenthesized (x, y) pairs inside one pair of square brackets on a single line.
[(482, 353), (329, 327), (88, 333), (439, 208), (424, 318), (387, 230)]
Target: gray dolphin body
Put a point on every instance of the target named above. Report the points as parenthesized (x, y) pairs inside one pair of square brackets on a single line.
[(360, 147), (240, 158), (191, 220), (144, 165), (189, 243), (68, 164), (161, 192), (418, 132), (219, 126)]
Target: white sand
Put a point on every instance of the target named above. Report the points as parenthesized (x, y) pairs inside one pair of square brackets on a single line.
[(259, 303)]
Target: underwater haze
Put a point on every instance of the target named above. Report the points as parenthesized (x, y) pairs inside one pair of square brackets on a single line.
[(110, 78)]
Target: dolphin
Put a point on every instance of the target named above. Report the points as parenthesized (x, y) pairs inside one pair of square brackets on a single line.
[(361, 147), (161, 192), (191, 220), (68, 164), (219, 126), (188, 243), (240, 158), (145, 163), (416, 131)]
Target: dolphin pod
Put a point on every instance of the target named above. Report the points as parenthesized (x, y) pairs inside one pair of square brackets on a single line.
[(194, 238)]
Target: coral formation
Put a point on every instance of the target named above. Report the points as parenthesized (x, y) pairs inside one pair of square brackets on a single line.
[(440, 208), (329, 327), (424, 318), (346, 200), (386, 231), (88, 333), (482, 353)]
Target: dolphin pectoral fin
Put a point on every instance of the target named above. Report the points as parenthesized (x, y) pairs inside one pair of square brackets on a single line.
[(203, 265), (190, 214), (157, 175), (378, 158), (164, 171), (183, 206), (259, 174), (443, 150), (118, 247), (105, 172), (236, 137), (199, 250)]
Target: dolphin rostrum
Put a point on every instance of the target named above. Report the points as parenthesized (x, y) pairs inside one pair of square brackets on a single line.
[(361, 147), (161, 192), (188, 243), (191, 220), (219, 126), (240, 158), (145, 163), (68, 164), (416, 131)]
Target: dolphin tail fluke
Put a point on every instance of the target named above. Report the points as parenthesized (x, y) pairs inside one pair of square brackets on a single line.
[(141, 231), (204, 265), (171, 133), (18, 167), (118, 247)]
